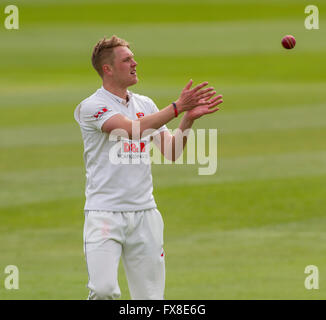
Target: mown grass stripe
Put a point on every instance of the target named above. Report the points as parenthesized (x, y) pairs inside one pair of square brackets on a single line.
[(58, 183), (249, 121)]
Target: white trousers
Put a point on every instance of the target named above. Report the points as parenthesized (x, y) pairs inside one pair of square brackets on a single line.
[(137, 237)]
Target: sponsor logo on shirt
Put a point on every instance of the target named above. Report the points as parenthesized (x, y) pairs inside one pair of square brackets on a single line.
[(140, 115), (99, 114), (134, 147), (130, 149)]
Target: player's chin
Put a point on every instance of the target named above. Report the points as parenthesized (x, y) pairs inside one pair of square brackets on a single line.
[(133, 80)]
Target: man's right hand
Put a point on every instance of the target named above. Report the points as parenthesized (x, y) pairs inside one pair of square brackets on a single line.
[(191, 98)]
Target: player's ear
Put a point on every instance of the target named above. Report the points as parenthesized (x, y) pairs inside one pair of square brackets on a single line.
[(106, 68)]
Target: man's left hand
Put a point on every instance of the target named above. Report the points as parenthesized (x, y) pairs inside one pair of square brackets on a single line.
[(208, 108)]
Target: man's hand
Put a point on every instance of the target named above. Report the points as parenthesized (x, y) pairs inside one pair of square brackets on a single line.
[(206, 108), (191, 98)]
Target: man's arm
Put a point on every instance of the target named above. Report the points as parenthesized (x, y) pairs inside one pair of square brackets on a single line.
[(172, 146), (189, 99)]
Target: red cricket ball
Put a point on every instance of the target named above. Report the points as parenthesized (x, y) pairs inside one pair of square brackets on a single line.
[(288, 42)]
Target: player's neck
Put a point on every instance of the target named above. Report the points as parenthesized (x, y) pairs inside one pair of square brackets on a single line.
[(120, 92)]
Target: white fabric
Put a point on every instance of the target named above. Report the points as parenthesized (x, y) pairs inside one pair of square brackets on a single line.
[(111, 186), (138, 238)]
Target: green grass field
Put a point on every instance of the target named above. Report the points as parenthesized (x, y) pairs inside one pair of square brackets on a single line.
[(247, 232)]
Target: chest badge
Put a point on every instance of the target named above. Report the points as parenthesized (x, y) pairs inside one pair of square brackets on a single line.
[(139, 115)]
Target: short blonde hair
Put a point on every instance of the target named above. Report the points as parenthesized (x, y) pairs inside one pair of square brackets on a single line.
[(103, 52)]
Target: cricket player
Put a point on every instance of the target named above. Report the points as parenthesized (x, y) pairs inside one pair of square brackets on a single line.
[(121, 216)]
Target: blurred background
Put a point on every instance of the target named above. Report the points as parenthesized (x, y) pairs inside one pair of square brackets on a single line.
[(247, 232)]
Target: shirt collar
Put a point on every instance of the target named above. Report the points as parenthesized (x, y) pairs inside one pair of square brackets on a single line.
[(117, 98)]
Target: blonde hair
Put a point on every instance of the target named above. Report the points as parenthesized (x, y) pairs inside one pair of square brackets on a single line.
[(103, 52)]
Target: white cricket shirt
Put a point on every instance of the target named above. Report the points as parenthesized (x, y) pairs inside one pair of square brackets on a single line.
[(113, 183)]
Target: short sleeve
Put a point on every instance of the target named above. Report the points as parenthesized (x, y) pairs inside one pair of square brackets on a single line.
[(94, 115)]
